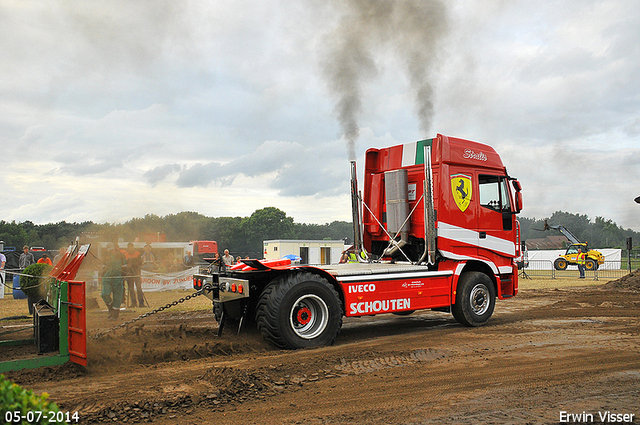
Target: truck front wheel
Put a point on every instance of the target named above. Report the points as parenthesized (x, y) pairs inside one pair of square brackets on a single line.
[(299, 310), (475, 299)]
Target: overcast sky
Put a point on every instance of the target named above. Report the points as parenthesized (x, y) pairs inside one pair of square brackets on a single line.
[(113, 110)]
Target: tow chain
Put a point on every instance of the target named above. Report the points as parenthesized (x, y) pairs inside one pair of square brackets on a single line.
[(147, 314)]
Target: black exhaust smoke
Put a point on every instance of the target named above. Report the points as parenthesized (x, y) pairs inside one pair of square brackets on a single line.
[(412, 29)]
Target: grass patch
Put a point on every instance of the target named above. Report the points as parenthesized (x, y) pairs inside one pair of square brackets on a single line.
[(10, 307), (548, 283)]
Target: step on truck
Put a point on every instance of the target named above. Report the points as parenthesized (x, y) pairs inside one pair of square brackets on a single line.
[(434, 228)]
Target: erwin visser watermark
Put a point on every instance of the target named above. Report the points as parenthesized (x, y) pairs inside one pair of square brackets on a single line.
[(599, 417)]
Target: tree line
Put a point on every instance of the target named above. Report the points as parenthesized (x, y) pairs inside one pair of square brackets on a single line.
[(241, 235), (600, 233), (245, 234)]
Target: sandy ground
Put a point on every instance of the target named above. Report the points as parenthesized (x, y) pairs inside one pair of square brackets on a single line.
[(544, 354)]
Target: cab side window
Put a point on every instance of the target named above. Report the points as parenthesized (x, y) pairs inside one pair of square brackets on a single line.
[(494, 193)]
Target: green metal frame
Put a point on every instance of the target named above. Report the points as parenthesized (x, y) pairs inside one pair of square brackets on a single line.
[(59, 293)]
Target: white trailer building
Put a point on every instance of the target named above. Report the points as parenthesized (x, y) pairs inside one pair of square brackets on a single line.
[(309, 251)]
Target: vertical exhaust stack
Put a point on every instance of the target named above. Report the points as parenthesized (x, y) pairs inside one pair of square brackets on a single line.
[(355, 211), (396, 192), (429, 211)]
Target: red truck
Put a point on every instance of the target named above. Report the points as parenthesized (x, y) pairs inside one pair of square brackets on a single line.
[(435, 228)]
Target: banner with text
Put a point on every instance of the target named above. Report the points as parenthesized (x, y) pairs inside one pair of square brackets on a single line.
[(153, 282)]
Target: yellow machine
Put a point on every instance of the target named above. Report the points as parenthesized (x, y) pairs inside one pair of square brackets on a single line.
[(594, 258)]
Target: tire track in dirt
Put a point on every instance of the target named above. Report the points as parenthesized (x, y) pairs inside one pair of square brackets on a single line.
[(545, 351), (430, 387)]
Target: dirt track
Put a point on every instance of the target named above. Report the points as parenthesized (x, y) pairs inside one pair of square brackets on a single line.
[(544, 352)]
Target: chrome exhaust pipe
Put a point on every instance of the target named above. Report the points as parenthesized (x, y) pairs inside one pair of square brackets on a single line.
[(355, 211)]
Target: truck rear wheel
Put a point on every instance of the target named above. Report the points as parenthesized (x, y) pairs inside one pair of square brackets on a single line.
[(299, 310), (475, 299)]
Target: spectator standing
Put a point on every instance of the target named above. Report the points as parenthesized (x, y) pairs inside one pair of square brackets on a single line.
[(188, 260), (112, 282), (45, 260), (344, 258), (59, 255), (227, 259), (217, 260), (148, 259), (133, 277), (3, 260), (26, 258), (581, 259)]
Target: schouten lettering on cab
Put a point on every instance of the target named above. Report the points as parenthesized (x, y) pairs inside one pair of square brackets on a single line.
[(368, 287), (380, 306)]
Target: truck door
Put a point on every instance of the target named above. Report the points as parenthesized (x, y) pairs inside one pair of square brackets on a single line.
[(457, 216), (495, 215)]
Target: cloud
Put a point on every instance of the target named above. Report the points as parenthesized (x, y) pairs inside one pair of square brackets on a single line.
[(204, 174), (536, 67), (161, 172), (49, 206), (577, 178), (292, 169), (171, 103)]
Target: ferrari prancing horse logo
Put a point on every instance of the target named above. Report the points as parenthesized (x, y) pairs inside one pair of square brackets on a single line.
[(461, 189)]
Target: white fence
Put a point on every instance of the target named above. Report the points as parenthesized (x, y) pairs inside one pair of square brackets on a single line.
[(612, 257), (540, 264)]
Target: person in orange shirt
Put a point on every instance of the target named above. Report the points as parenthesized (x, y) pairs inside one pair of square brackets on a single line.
[(45, 260), (133, 276)]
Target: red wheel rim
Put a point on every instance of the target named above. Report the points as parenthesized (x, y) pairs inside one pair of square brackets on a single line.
[(303, 316)]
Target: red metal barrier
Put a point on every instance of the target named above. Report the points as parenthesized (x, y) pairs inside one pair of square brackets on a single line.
[(69, 272), (63, 262), (77, 323)]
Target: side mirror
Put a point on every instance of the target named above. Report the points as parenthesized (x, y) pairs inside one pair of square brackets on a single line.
[(518, 195), (518, 202), (516, 185)]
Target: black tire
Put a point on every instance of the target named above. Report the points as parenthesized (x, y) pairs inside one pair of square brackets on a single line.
[(590, 265), (475, 299), (299, 310), (560, 264)]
